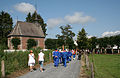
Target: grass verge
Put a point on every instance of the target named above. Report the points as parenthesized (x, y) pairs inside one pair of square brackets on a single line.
[(106, 66)]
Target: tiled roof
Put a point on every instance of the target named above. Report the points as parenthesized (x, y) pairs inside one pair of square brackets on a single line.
[(27, 29)]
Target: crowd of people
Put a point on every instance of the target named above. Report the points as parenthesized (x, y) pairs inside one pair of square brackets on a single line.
[(64, 56), (59, 57)]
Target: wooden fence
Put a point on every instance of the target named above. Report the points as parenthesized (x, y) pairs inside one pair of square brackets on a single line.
[(90, 66), (2, 69)]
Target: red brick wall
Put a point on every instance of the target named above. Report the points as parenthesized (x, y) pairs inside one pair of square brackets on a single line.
[(24, 42)]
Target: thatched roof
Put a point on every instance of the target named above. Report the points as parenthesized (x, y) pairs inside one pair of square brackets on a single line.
[(27, 29)]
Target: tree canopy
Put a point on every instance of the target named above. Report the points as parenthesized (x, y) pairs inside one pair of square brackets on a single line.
[(67, 36), (32, 18), (51, 43), (92, 42), (6, 24), (82, 39)]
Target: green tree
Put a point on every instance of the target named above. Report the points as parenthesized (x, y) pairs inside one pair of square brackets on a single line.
[(103, 42), (36, 18), (116, 40), (29, 17), (82, 39), (15, 42), (31, 43), (92, 42), (51, 43), (60, 42), (6, 23), (111, 41), (67, 36)]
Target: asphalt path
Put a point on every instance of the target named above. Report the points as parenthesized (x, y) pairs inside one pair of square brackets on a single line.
[(71, 71)]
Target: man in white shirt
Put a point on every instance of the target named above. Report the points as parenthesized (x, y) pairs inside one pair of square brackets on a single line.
[(41, 60)]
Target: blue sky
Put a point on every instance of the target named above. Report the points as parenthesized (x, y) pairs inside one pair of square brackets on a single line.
[(98, 17)]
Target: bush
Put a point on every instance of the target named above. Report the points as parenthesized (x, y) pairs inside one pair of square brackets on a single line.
[(15, 42), (2, 48), (19, 60), (31, 43)]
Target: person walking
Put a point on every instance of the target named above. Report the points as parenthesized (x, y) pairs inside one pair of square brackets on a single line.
[(41, 60), (31, 61), (74, 53), (64, 58), (60, 56), (69, 55), (56, 58)]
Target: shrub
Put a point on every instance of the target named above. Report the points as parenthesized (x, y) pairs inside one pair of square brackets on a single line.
[(2, 48), (31, 43), (15, 42), (19, 60)]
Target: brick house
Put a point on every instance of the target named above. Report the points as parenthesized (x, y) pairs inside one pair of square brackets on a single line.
[(25, 31)]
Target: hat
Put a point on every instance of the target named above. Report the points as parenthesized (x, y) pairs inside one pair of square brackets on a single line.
[(31, 51)]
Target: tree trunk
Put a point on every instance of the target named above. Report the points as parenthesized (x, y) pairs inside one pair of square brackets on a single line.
[(112, 51), (105, 51), (93, 51), (101, 51), (118, 51)]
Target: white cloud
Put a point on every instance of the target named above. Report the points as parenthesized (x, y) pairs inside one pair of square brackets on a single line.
[(54, 22), (79, 18), (76, 18), (24, 7), (108, 34), (89, 36)]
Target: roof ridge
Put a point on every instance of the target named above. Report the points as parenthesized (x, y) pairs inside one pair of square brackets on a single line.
[(19, 29)]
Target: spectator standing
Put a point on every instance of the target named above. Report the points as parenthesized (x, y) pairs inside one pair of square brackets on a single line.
[(41, 60)]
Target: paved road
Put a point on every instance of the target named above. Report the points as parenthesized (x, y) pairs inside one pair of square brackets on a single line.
[(71, 71)]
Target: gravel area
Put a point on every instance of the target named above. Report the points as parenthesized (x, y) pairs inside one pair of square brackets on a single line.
[(71, 71)]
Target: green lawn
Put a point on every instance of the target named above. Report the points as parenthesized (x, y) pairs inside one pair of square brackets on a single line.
[(106, 66)]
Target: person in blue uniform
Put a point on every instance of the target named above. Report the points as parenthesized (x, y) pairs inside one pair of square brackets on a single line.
[(64, 58), (60, 56), (69, 55), (56, 58)]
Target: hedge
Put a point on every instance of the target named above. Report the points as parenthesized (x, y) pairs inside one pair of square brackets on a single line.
[(19, 60)]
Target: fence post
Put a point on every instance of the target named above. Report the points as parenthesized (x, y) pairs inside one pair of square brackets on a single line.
[(50, 56), (87, 61), (92, 70), (3, 68)]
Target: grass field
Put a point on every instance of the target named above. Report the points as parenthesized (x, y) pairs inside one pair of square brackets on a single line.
[(106, 66)]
